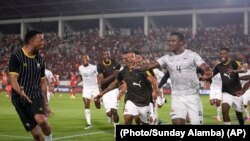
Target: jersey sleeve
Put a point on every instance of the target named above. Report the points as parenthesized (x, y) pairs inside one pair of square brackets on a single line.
[(197, 59), (14, 64), (121, 75), (162, 61), (215, 70), (99, 69), (43, 70), (236, 65)]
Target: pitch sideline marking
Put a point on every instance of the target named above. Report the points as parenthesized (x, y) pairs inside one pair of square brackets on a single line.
[(14, 136), (85, 134)]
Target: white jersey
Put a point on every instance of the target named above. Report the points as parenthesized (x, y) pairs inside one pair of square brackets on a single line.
[(89, 75), (49, 75), (182, 69)]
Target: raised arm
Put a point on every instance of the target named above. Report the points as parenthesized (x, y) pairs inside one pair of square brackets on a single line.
[(207, 72)]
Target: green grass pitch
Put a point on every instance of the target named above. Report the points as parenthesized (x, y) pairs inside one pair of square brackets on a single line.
[(68, 120)]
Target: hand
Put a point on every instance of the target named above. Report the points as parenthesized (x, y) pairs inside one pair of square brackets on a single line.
[(239, 93), (23, 95), (48, 112), (156, 93), (97, 98)]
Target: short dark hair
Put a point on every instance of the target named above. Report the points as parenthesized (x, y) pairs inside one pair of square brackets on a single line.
[(179, 35), (30, 34), (137, 52), (226, 49)]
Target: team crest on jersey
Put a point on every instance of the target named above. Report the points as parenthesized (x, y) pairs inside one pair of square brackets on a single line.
[(38, 65), (27, 125), (25, 64), (40, 109), (85, 74)]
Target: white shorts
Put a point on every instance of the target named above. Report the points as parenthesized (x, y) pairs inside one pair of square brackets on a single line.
[(187, 105), (234, 101), (215, 93), (246, 97), (132, 109), (110, 100), (90, 92)]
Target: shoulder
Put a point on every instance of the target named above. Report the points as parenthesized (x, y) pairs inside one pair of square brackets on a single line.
[(80, 67), (190, 52)]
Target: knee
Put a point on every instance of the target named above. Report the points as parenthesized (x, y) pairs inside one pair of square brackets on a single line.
[(109, 114)]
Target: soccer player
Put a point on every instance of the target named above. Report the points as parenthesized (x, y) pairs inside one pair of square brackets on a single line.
[(88, 74), (72, 83), (50, 82), (215, 95), (229, 71), (182, 66), (139, 91), (29, 89), (246, 96), (57, 83), (107, 72), (4, 79)]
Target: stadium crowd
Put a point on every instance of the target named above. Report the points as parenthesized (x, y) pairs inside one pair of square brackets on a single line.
[(65, 54)]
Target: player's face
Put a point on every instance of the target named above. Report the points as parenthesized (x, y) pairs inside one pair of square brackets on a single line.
[(106, 55), (130, 59), (38, 42), (174, 44), (124, 56), (138, 59), (223, 55), (85, 60)]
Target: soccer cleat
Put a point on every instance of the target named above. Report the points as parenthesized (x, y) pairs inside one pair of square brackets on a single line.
[(88, 126)]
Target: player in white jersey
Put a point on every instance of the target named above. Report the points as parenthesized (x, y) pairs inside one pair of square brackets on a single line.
[(215, 94), (182, 64), (246, 96), (88, 74), (50, 82)]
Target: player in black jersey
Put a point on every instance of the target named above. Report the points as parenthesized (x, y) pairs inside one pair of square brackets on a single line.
[(107, 72), (231, 86), (139, 91), (29, 88)]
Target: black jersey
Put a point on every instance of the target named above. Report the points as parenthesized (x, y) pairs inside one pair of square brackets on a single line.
[(30, 70), (139, 89), (107, 70), (230, 82)]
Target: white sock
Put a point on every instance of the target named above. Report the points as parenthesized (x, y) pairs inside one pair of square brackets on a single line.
[(115, 128), (48, 138), (88, 116), (246, 112), (109, 119), (218, 113), (116, 124), (227, 123)]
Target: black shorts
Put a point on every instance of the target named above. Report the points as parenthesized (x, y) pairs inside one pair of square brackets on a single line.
[(27, 112)]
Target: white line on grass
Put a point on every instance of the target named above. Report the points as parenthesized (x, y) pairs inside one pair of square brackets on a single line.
[(14, 136), (86, 134)]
